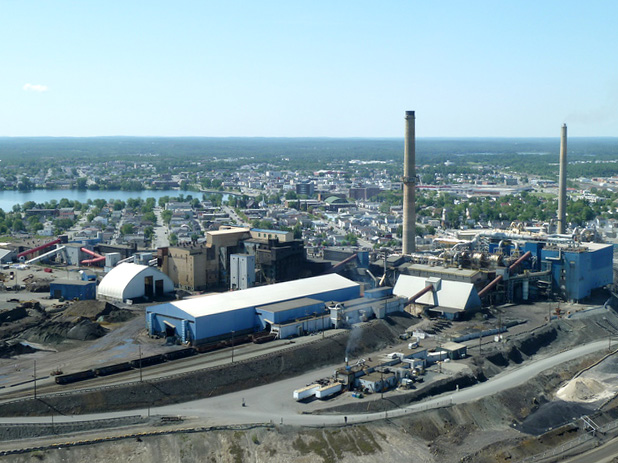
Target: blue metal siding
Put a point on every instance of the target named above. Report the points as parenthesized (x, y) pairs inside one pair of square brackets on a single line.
[(69, 291), (378, 293), (341, 295), (224, 322), (284, 316), (581, 272), (535, 248), (171, 314), (244, 319)]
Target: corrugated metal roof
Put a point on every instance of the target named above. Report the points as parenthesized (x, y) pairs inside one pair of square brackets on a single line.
[(455, 271), (261, 295), (66, 282), (228, 231), (288, 305), (452, 294)]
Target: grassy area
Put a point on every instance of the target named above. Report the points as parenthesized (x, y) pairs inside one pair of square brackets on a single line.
[(331, 446)]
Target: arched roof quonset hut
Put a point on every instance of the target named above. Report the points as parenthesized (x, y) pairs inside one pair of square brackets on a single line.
[(218, 316), (133, 281)]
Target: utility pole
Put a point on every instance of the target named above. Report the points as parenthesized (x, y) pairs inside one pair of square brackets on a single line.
[(34, 379), (480, 342), (440, 354), (140, 364)]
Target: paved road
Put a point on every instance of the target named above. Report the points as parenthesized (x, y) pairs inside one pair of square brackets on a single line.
[(234, 216), (604, 454), (274, 402), (161, 237)]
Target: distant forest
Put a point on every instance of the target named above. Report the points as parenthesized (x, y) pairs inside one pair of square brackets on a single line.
[(589, 157)]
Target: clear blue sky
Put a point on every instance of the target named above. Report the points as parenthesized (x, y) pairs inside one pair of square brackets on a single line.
[(320, 68)]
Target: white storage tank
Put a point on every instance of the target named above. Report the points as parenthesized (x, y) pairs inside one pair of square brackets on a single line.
[(242, 271)]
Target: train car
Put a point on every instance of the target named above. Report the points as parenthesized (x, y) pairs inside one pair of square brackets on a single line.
[(113, 369), (264, 338), (148, 361), (180, 354), (74, 377)]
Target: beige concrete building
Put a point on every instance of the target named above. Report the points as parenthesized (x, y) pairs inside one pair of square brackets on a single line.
[(198, 267)]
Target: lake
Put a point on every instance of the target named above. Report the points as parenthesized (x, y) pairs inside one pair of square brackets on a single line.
[(8, 198)]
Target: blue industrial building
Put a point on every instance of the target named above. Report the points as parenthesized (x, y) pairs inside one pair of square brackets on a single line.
[(572, 269), (283, 312), (219, 316), (576, 271), (73, 289)]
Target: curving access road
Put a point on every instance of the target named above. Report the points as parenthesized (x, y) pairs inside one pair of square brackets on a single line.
[(274, 403)]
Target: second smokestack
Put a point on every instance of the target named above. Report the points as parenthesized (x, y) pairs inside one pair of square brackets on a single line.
[(409, 185), (562, 181)]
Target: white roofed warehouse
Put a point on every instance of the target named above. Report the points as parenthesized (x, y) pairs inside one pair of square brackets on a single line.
[(133, 281), (219, 316)]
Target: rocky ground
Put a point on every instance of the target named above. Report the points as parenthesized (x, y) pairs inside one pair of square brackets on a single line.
[(504, 427)]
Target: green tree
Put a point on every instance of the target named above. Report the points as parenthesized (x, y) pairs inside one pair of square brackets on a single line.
[(150, 217), (148, 232), (163, 200), (100, 203), (166, 215), (126, 229), (298, 231), (17, 225)]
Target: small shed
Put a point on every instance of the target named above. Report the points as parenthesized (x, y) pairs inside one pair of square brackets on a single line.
[(7, 255), (73, 289), (455, 350)]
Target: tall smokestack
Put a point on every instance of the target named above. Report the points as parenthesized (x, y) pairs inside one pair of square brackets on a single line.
[(409, 176), (562, 185)]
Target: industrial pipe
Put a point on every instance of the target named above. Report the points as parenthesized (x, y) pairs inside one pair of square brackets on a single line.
[(337, 267), (97, 257), (38, 248), (516, 264), (426, 289), (93, 261), (490, 286)]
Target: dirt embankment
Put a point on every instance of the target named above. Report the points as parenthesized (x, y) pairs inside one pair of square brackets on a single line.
[(223, 379), (479, 432), (484, 431)]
